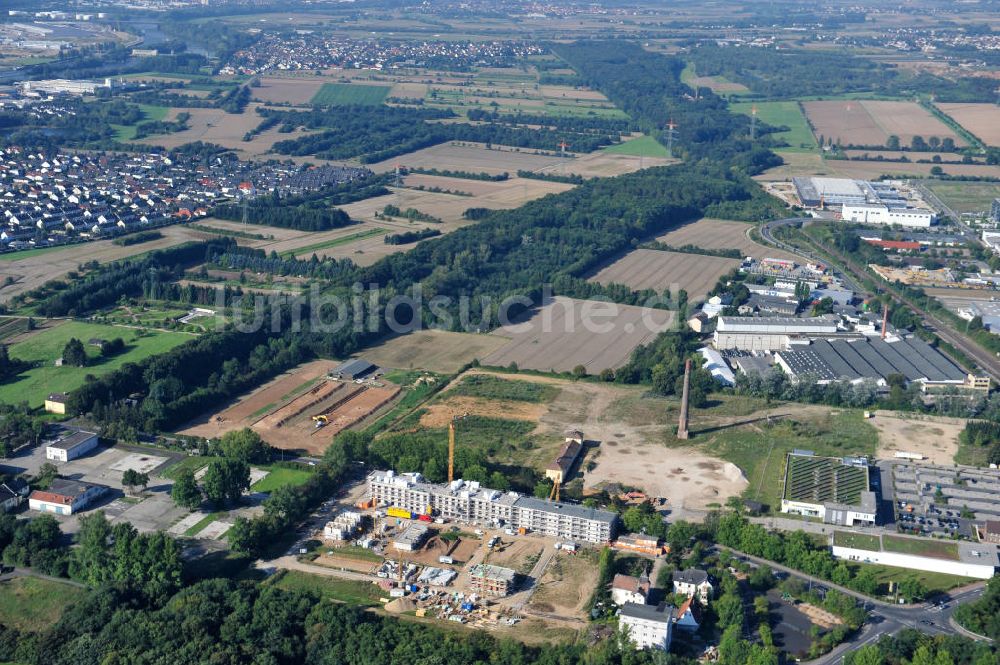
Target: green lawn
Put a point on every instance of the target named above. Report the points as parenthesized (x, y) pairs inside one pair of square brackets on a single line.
[(934, 582), (336, 242), (345, 94), (196, 528), (965, 196), (493, 387), (760, 450), (46, 346), (860, 541), (644, 146), (193, 463), (32, 604), (782, 114), (279, 477), (149, 113), (347, 591), (28, 253), (939, 549)]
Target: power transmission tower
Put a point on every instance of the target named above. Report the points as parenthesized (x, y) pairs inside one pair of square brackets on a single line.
[(671, 131), (753, 123), (399, 176), (562, 153)]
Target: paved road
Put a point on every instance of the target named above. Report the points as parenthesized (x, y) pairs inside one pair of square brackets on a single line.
[(767, 233), (885, 618)]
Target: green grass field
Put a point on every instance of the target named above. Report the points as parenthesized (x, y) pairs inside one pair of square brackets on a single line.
[(149, 113), (493, 387), (346, 94), (761, 454), (46, 346), (938, 549), (196, 528), (279, 477), (193, 463), (31, 604), (778, 114), (934, 582), (644, 146), (336, 242), (346, 591), (860, 541), (28, 253), (965, 196)]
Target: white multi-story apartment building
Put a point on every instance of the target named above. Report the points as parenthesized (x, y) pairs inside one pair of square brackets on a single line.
[(468, 502), (648, 626)]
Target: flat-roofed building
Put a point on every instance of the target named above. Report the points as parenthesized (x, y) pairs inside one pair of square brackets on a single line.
[(491, 580), (65, 497), (467, 501), (412, 537), (73, 444)]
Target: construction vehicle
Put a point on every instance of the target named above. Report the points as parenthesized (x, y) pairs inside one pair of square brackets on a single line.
[(321, 420)]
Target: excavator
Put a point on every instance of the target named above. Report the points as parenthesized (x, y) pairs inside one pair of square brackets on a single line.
[(321, 420)]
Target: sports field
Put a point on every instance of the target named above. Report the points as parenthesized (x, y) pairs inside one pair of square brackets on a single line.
[(347, 94), (44, 347), (782, 114)]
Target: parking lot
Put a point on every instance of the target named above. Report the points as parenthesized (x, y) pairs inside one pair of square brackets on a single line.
[(931, 500)]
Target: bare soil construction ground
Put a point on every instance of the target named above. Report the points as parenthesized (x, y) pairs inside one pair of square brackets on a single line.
[(982, 120), (873, 122), (662, 271), (934, 437), (566, 586), (721, 234), (34, 270), (566, 332), (248, 408), (441, 413), (626, 433), (433, 350)]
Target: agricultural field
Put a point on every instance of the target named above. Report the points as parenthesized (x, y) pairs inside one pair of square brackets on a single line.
[(666, 271), (32, 268), (433, 350), (782, 114), (566, 332), (347, 94), (871, 123), (297, 91), (721, 234), (642, 146), (473, 157), (973, 197), (33, 604), (46, 345), (981, 120)]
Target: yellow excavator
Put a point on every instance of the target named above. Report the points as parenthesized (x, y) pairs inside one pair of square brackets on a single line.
[(321, 420)]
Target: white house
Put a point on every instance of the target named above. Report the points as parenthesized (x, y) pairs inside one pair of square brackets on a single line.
[(77, 444), (628, 589), (693, 582), (64, 497), (649, 626)]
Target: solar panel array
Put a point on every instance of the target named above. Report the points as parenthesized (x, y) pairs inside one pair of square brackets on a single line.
[(872, 359), (824, 480)]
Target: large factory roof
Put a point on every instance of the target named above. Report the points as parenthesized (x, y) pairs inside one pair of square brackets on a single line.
[(871, 359), (777, 324)]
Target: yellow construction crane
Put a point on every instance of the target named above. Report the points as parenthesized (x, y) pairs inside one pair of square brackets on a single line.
[(554, 494)]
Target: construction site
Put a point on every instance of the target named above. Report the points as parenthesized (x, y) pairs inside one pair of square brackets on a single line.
[(304, 409)]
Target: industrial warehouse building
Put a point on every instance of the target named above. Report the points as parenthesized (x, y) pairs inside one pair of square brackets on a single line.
[(873, 213), (65, 497), (836, 490), (949, 557), (864, 201), (353, 369), (71, 445), (468, 502), (767, 333), (856, 360)]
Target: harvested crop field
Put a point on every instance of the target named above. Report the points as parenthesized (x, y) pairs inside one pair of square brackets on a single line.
[(721, 234), (346, 94), (433, 350), (982, 120), (717, 84), (443, 412), (853, 122), (469, 157), (37, 268), (295, 91), (566, 332), (663, 271)]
